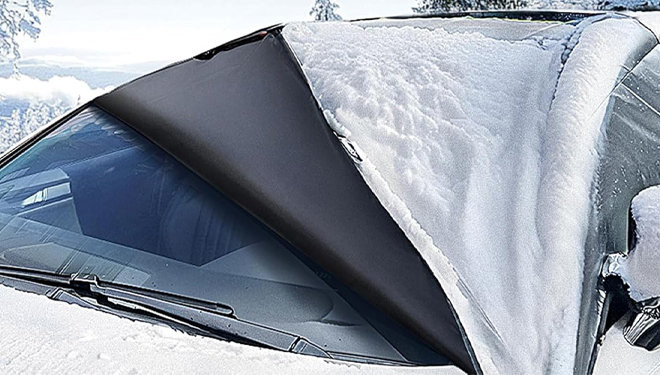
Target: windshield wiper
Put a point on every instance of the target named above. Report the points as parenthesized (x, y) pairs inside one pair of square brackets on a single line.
[(211, 318)]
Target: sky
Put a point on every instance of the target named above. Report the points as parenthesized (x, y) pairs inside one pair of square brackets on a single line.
[(115, 33)]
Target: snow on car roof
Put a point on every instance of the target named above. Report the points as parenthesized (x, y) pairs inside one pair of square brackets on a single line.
[(495, 28)]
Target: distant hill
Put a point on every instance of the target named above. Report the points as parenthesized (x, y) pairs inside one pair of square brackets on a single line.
[(94, 76)]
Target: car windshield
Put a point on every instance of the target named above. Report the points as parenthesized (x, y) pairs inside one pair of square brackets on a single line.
[(96, 197)]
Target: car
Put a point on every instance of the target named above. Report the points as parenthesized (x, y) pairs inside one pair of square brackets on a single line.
[(439, 192)]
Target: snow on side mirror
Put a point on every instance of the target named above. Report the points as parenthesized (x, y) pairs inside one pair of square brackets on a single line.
[(639, 271)]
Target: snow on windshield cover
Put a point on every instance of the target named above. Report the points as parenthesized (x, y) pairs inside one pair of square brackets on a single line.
[(483, 149)]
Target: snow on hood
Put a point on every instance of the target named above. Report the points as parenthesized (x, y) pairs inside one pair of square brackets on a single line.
[(41, 336), (483, 150)]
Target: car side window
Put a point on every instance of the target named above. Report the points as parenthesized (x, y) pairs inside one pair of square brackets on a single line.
[(94, 196)]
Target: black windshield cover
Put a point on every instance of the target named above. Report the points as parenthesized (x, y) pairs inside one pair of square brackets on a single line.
[(246, 121), (94, 201)]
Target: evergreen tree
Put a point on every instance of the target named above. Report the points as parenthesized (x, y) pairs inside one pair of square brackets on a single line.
[(623, 5), (23, 122), (324, 10), (19, 17), (439, 6)]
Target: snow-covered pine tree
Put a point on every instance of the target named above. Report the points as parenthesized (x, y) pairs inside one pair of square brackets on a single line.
[(324, 10), (23, 122), (439, 6), (622, 5), (19, 17)]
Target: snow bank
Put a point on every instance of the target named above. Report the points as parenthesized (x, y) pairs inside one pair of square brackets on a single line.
[(640, 270), (64, 91), (484, 154), (41, 336)]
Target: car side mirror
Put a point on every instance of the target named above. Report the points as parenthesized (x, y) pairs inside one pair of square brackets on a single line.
[(643, 328), (638, 270)]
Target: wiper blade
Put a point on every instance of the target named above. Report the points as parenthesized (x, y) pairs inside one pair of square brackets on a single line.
[(78, 280), (216, 318), (91, 283), (40, 276), (209, 317)]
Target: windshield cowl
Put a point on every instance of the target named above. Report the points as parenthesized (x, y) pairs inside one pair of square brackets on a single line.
[(211, 318)]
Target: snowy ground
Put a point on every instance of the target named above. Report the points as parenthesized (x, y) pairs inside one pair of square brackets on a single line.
[(483, 149), (617, 357), (41, 336)]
